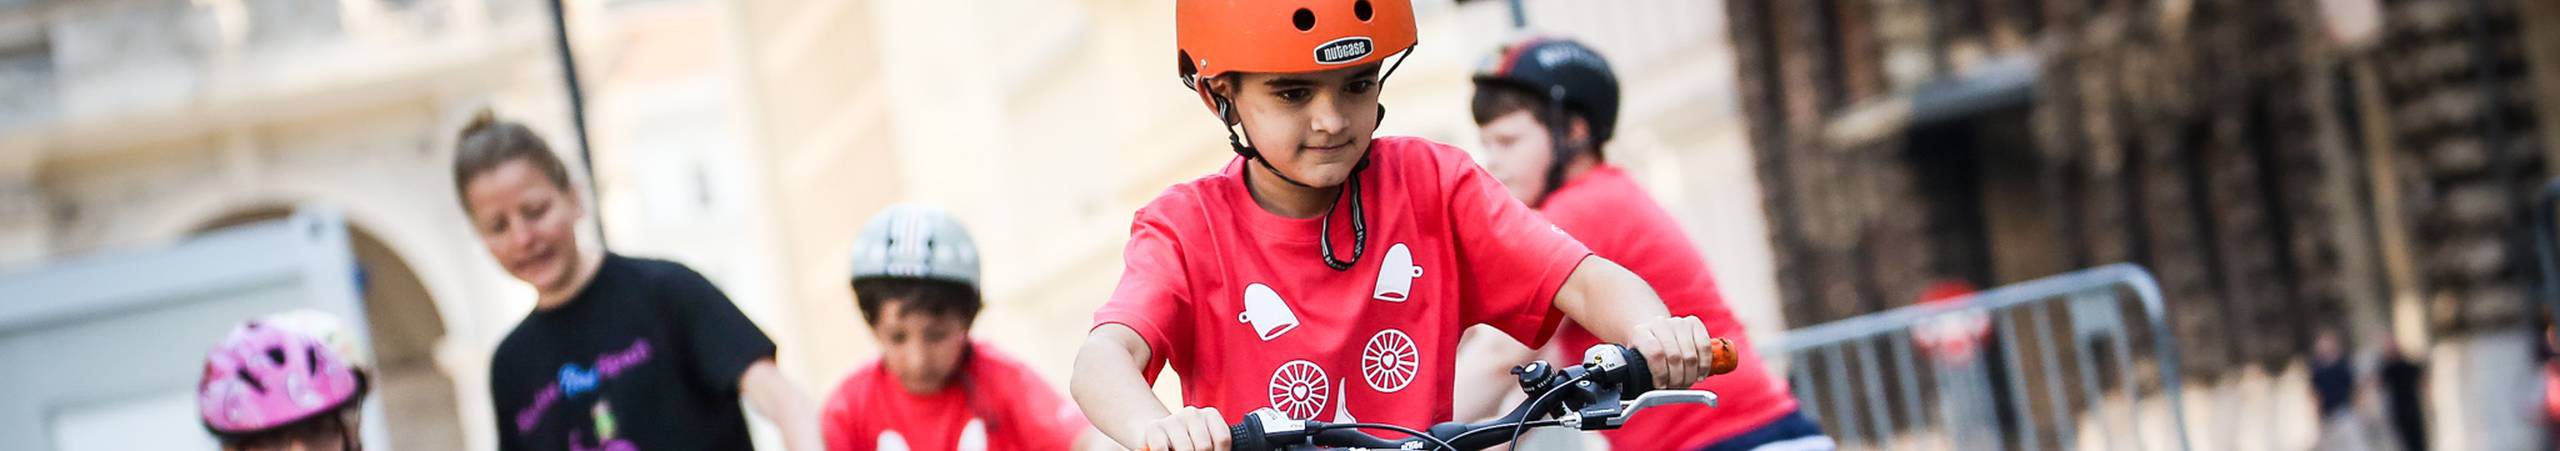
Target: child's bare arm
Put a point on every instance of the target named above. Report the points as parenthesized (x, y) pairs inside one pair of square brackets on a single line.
[(777, 399), (1485, 358), (1111, 387), (1618, 306)]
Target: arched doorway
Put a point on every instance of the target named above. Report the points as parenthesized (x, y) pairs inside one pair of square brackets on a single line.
[(416, 396)]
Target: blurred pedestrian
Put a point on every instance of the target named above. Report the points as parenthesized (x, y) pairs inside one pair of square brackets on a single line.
[(2551, 383), (2404, 381), (2333, 388), (1955, 343), (619, 353)]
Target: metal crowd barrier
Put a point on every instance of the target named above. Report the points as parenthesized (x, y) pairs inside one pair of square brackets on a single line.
[(1968, 375)]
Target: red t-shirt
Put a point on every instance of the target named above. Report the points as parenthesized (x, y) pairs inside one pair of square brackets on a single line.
[(996, 403), (1239, 301), (1607, 211)]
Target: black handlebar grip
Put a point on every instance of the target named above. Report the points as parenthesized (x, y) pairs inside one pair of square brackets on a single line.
[(1637, 377), (1247, 435)]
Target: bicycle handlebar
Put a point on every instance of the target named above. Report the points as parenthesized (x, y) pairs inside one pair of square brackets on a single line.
[(1610, 385)]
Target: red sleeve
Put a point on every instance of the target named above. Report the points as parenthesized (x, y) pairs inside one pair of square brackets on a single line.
[(1152, 296), (837, 423), (1047, 421), (1500, 244)]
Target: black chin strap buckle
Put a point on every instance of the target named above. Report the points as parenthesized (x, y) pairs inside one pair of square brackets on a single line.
[(1237, 143)]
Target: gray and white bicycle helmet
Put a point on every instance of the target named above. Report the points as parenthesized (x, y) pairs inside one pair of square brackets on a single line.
[(917, 242)]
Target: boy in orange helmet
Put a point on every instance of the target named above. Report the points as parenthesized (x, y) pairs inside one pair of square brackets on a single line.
[(1324, 273)]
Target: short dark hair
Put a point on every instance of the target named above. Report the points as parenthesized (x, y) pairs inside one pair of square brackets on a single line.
[(1495, 100), (488, 142), (929, 296)]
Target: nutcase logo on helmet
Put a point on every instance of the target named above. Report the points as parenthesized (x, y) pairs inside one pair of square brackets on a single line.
[(1343, 50)]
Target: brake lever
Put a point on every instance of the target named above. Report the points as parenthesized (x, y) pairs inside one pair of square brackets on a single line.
[(1660, 398)]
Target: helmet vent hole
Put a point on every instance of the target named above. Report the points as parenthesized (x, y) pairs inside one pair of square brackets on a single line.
[(1361, 9), (1304, 19), (1187, 68), (311, 358), (275, 356), (243, 374)]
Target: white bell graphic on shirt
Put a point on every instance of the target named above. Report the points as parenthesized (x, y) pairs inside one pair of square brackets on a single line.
[(1396, 274), (973, 437), (1269, 315), (891, 441)]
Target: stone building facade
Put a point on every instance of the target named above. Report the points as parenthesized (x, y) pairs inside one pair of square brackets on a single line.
[(2283, 167)]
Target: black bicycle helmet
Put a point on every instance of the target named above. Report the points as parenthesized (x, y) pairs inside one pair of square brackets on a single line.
[(1571, 77)]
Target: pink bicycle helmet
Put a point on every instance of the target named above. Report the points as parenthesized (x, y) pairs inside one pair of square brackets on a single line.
[(276, 371)]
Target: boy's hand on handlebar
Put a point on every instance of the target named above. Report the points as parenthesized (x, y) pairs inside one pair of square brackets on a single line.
[(1676, 348), (1188, 429)]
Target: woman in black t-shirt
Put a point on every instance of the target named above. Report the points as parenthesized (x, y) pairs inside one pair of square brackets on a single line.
[(618, 353)]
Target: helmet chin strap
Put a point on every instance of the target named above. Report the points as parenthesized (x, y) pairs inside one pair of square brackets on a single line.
[(1561, 144), (1227, 113), (1359, 224), (347, 434), (1352, 191), (1226, 109)]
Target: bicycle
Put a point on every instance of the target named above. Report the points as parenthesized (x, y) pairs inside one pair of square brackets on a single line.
[(1601, 393)]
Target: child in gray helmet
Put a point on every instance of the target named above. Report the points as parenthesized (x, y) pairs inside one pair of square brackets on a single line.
[(915, 280)]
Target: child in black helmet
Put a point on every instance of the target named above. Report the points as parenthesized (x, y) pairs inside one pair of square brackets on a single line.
[(1545, 107)]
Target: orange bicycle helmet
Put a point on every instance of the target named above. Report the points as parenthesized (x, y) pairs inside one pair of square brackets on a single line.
[(1216, 37)]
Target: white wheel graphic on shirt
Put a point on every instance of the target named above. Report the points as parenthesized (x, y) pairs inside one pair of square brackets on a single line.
[(1389, 361), (1299, 389)]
